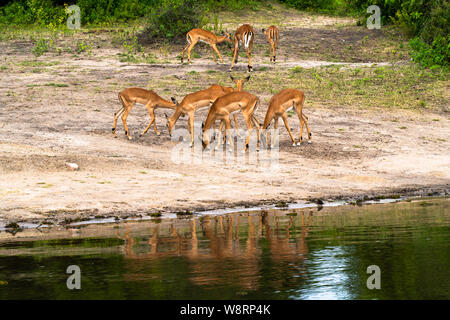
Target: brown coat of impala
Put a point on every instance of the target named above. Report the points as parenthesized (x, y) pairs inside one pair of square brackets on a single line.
[(282, 102), (199, 100), (129, 97), (272, 35), (244, 35), (196, 35), (223, 107)]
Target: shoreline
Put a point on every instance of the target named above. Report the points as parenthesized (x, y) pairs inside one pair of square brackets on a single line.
[(71, 219)]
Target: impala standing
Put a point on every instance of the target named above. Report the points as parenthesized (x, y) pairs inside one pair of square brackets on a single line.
[(243, 35), (129, 97), (272, 34), (229, 104), (195, 35), (282, 102), (199, 100)]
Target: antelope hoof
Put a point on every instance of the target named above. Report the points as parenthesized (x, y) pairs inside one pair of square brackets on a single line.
[(309, 141), (298, 143), (293, 144), (271, 146), (158, 133), (130, 138)]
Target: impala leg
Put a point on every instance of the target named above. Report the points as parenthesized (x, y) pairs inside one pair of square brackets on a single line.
[(124, 120), (250, 129), (219, 136), (116, 117), (286, 124), (191, 127), (230, 136), (236, 126), (189, 49), (214, 53), (152, 121), (258, 128), (275, 126), (249, 55), (274, 52), (184, 50), (236, 51), (218, 53), (305, 119)]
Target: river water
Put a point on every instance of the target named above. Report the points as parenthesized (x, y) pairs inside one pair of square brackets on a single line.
[(267, 254)]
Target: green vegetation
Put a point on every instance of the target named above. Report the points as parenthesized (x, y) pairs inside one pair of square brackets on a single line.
[(427, 21)]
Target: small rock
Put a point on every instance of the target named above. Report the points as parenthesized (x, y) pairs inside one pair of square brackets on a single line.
[(72, 166)]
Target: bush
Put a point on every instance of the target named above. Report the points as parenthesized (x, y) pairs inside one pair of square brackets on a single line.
[(175, 18), (437, 53)]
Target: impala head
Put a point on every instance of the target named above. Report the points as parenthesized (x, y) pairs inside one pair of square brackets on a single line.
[(227, 36), (169, 124), (240, 82), (205, 137)]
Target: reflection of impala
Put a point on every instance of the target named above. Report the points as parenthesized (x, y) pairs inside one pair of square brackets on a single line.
[(195, 35), (225, 249)]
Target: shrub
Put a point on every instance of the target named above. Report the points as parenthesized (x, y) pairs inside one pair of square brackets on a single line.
[(175, 18)]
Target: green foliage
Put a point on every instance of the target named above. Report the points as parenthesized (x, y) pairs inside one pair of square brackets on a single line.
[(40, 48), (174, 18), (436, 54)]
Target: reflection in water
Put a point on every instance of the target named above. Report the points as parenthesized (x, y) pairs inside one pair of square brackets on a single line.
[(268, 254), (331, 282), (213, 245)]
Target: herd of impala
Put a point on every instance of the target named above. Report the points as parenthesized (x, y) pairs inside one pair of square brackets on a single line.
[(221, 101)]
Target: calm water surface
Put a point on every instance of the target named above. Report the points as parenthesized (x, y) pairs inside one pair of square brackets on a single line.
[(285, 254)]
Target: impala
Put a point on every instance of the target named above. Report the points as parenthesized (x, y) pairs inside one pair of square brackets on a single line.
[(243, 35), (196, 35), (272, 34), (129, 97), (200, 100), (282, 102), (229, 104)]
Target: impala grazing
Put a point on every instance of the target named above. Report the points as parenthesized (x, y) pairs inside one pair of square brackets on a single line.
[(229, 104), (193, 102), (129, 97), (282, 102), (199, 100), (243, 35), (196, 35), (272, 34)]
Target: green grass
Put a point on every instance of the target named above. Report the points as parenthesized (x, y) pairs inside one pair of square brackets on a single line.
[(52, 84)]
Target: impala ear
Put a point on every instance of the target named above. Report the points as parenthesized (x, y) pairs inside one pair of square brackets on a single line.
[(248, 78), (232, 79), (203, 125), (263, 30), (174, 100)]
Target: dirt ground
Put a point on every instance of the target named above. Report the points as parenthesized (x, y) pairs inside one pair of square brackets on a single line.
[(59, 108)]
